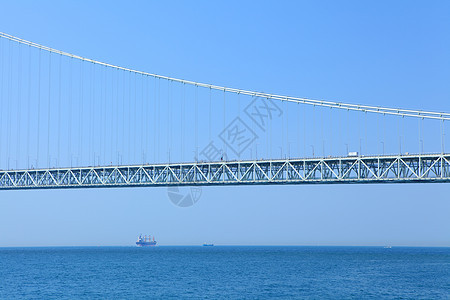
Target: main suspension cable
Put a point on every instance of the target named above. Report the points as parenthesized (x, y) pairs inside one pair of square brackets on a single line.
[(339, 105)]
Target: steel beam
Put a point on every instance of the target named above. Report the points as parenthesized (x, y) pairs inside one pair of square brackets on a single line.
[(342, 170)]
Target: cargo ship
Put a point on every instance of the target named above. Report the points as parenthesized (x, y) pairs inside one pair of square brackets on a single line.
[(144, 241)]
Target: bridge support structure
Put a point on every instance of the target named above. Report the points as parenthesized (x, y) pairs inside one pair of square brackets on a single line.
[(331, 170)]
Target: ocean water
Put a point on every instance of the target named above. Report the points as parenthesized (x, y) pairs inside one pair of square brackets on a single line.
[(224, 273)]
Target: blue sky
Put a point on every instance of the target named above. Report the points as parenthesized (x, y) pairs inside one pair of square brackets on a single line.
[(383, 53)]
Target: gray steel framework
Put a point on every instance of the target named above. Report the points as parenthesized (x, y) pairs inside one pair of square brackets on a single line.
[(373, 169)]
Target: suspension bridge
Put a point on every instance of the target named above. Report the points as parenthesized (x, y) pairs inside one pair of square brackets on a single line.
[(73, 122)]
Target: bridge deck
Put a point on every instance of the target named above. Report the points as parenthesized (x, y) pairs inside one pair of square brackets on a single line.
[(370, 169)]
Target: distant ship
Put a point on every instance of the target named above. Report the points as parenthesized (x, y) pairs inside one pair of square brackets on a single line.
[(207, 245), (144, 241)]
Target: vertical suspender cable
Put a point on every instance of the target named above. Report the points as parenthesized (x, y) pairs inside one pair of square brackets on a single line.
[(97, 116), (304, 130), (115, 113), (148, 118), (168, 122), (182, 121), (154, 120), (282, 128), (96, 113), (59, 111), (117, 119), (123, 115), (359, 133), (48, 108), (9, 103), (108, 123), (102, 110), (267, 129), (239, 116), (341, 127), (80, 121), (442, 137), (321, 129), (384, 132), (134, 121), (209, 132), (270, 135), (142, 123), (404, 133), (378, 133), (103, 156), (399, 134), (19, 100), (331, 131), (224, 117), (253, 130), (114, 95), (298, 129), (129, 119), (146, 114), (159, 117), (170, 117), (113, 130), (365, 137), (419, 136), (314, 127), (348, 130), (39, 110), (28, 107), (196, 123), (91, 100), (1, 94), (69, 114), (287, 134)]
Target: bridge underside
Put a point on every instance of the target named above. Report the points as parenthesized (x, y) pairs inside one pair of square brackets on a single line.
[(373, 169)]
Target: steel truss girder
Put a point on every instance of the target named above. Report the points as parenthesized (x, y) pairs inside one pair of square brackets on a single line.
[(373, 169)]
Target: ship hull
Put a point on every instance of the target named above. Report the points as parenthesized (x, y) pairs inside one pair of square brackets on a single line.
[(145, 244)]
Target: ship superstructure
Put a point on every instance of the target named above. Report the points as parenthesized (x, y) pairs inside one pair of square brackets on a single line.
[(145, 240)]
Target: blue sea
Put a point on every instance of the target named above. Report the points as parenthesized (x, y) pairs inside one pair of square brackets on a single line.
[(224, 273)]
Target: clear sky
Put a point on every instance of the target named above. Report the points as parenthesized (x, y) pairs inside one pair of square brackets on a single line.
[(387, 53)]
